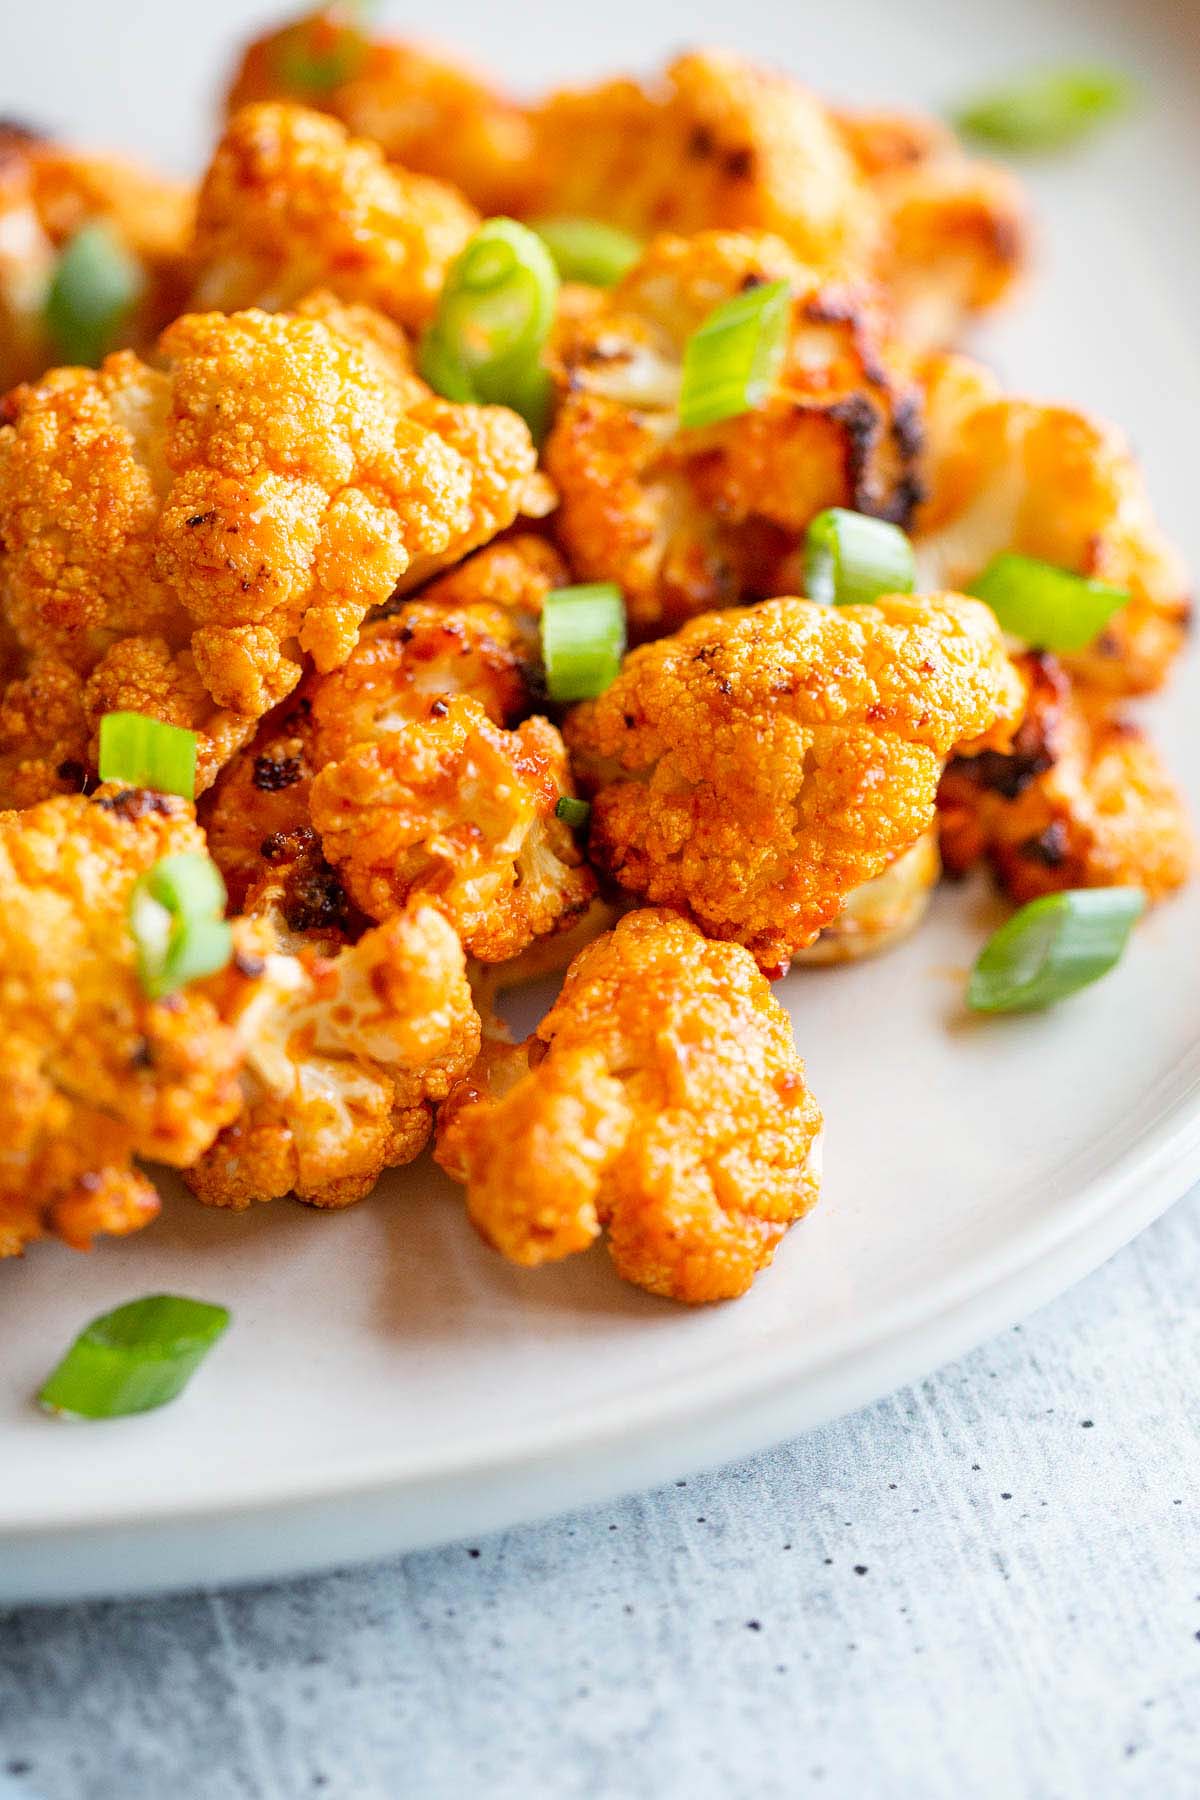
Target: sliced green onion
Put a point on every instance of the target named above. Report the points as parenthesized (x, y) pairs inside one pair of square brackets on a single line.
[(95, 286), (1046, 109), (572, 812), (587, 250), (1047, 607), (492, 321), (319, 54), (176, 917), (851, 559), (135, 1358), (1052, 948), (583, 640), (731, 361), (148, 754)]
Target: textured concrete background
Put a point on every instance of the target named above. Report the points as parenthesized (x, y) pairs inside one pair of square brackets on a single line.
[(986, 1586)]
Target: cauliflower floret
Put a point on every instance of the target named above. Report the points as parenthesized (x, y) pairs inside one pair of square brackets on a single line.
[(662, 1100), (95, 1074), (47, 194), (175, 534), (686, 520), (344, 1056), (1012, 474), (714, 144), (428, 112), (763, 763), (261, 795), (883, 911), (516, 573), (452, 807), (473, 631), (423, 788), (292, 202), (303, 894), (955, 231), (43, 732), (1080, 800)]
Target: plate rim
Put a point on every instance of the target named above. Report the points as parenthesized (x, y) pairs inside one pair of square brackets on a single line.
[(700, 1414)]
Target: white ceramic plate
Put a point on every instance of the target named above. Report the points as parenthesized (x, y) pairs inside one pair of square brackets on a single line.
[(387, 1381)]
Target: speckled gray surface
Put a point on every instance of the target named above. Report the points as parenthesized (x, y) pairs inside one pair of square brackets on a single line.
[(988, 1585)]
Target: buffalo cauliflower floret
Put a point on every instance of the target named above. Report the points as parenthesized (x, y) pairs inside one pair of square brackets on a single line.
[(714, 144), (684, 520), (261, 795), (473, 631), (428, 112), (344, 1056), (661, 1100), (421, 789), (47, 194), (291, 202), (177, 534), (516, 572), (762, 764), (883, 911), (1080, 800), (95, 1074), (954, 231), (1011, 474)]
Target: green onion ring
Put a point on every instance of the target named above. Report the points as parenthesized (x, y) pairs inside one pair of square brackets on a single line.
[(732, 359), (176, 918), (1048, 608), (133, 1359), (583, 640), (851, 558), (1052, 948)]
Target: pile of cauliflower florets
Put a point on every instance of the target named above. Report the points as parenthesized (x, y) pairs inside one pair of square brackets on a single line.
[(257, 520)]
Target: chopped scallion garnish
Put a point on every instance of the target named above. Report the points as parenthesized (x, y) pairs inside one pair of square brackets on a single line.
[(589, 251), (730, 362), (177, 919), (572, 812), (94, 287), (583, 640), (1046, 109), (492, 321), (851, 559), (1047, 607), (146, 753), (135, 1358), (1052, 948)]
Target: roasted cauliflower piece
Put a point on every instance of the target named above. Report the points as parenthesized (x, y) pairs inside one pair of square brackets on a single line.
[(1003, 473), (516, 573), (291, 202), (344, 1056), (882, 912), (179, 534), (427, 111), (1080, 800), (714, 144), (687, 520), (955, 231), (261, 795), (661, 1100), (95, 1074), (422, 789), (473, 631), (48, 193), (758, 767)]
